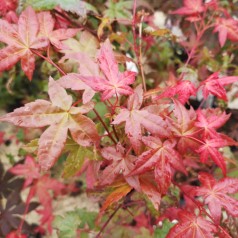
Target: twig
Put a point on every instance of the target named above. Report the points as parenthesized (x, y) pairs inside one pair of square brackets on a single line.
[(108, 220), (105, 126), (48, 59)]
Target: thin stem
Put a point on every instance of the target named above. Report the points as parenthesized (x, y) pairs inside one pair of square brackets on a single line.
[(29, 197), (115, 132), (108, 220), (104, 125), (134, 30), (48, 60), (140, 54)]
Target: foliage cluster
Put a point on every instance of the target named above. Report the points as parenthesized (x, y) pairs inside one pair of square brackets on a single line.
[(129, 101)]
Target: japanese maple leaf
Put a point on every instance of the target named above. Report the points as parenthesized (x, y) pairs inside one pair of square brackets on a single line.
[(21, 38), (55, 37), (30, 170), (183, 127), (191, 8), (135, 118), (44, 187), (150, 189), (114, 82), (216, 196), (210, 149), (192, 226), (183, 90), (60, 116), (227, 29), (215, 85), (7, 5), (121, 164), (74, 82), (209, 123), (162, 158)]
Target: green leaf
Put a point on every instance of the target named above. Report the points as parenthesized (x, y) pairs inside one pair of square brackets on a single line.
[(67, 224), (75, 161), (74, 6), (87, 218), (161, 232), (40, 4), (118, 9), (70, 222)]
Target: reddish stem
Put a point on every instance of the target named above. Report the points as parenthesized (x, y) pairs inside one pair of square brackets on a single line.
[(29, 197), (104, 125), (48, 60)]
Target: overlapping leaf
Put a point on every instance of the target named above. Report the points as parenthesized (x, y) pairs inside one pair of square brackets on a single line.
[(120, 164), (135, 118), (191, 8), (215, 85), (209, 120), (210, 150), (21, 38), (215, 194), (183, 90), (192, 226), (227, 29), (114, 82), (182, 125), (74, 82), (46, 30), (162, 158), (30, 170), (60, 116)]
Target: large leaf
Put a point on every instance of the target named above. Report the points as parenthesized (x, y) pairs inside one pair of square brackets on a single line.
[(21, 38), (192, 226), (215, 194), (114, 82), (61, 117)]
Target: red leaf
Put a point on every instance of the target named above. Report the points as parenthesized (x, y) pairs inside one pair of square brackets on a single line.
[(136, 118), (30, 170), (215, 194), (182, 126), (215, 85), (227, 29), (55, 37), (121, 164), (114, 82), (183, 90), (7, 5), (191, 8), (15, 234), (210, 149), (210, 120), (192, 226), (20, 40), (44, 187), (161, 158), (151, 191)]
